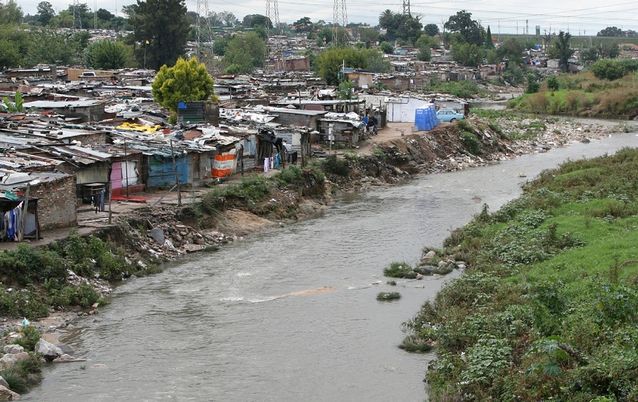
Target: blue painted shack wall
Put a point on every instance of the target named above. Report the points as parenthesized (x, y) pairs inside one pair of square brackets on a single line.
[(162, 174)]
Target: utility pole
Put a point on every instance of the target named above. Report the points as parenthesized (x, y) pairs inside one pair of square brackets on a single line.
[(126, 168), (23, 221)]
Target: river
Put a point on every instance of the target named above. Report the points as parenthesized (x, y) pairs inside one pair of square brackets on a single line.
[(253, 322)]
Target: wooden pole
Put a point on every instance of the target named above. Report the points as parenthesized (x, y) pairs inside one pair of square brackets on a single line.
[(179, 193), (126, 168), (23, 220), (110, 187)]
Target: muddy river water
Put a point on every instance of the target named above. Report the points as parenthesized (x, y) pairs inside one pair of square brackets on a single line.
[(290, 315)]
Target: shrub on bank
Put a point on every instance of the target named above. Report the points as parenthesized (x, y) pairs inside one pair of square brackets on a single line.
[(336, 166), (35, 278), (24, 374), (542, 314), (29, 337)]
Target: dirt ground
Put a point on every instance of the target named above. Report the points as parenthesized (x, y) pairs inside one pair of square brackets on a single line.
[(390, 132)]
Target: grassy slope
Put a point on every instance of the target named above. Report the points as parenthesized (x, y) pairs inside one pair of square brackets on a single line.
[(549, 306), (584, 95)]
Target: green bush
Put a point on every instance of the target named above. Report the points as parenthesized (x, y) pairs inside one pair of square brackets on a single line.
[(28, 264), (17, 382), (388, 296), (23, 303), (247, 192), (609, 69), (24, 374), (29, 336), (553, 84), (399, 270), (471, 143), (336, 166), (413, 344)]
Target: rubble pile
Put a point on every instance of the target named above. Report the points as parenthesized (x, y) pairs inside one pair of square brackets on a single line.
[(156, 234)]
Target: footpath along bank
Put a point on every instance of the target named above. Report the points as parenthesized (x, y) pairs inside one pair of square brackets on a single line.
[(72, 277)]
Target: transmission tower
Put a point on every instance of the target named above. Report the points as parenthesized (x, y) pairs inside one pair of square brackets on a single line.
[(77, 17), (204, 29), (272, 12), (340, 17), (406, 7)]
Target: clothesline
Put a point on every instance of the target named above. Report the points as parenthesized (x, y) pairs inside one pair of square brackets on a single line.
[(11, 224)]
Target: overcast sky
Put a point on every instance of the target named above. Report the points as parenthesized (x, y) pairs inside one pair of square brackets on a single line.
[(577, 16)]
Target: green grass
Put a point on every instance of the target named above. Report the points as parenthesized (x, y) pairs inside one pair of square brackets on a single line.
[(548, 308), (461, 89), (584, 95), (253, 189)]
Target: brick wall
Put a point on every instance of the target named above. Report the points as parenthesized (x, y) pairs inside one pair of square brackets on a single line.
[(57, 206)]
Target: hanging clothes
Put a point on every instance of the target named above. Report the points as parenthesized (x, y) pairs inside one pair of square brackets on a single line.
[(10, 225), (266, 165)]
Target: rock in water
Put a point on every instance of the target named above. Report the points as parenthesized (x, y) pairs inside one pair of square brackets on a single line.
[(429, 256), (48, 350), (7, 395)]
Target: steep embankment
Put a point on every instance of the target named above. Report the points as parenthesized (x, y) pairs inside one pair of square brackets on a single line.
[(548, 306)]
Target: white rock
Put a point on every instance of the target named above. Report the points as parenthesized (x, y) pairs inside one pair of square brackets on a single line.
[(48, 350), (7, 395), (13, 348)]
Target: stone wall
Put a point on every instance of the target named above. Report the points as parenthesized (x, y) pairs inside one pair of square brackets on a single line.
[(57, 203)]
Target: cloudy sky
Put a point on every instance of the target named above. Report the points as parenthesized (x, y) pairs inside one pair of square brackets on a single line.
[(578, 16)]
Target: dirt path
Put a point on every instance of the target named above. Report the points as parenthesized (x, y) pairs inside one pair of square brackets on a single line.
[(390, 132)]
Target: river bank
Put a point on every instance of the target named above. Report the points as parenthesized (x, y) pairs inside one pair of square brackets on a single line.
[(547, 307), (219, 325), (295, 197)]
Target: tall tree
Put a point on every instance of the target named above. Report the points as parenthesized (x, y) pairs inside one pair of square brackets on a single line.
[(106, 54), (561, 50), (244, 53), (611, 31), (10, 13), (256, 21), (431, 29), (45, 13), (469, 29), (162, 29), (228, 18), (488, 38), (400, 26), (303, 25), (186, 81)]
